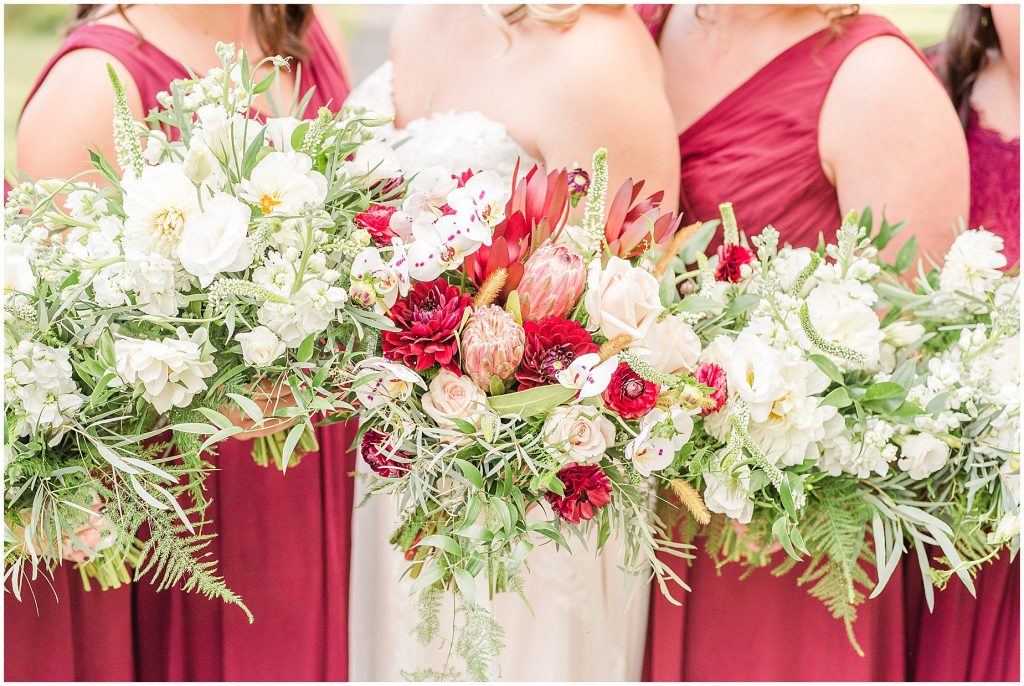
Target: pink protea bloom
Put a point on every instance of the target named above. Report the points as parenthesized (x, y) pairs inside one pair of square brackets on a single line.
[(492, 345), (552, 282)]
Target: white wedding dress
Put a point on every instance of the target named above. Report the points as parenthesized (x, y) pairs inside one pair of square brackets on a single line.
[(589, 618)]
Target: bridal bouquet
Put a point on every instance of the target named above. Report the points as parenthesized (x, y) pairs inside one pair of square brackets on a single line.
[(545, 378), (209, 282)]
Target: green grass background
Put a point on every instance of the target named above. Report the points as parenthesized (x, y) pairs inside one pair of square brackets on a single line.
[(32, 33)]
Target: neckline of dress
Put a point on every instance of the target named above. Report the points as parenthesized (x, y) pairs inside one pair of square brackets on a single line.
[(978, 121)]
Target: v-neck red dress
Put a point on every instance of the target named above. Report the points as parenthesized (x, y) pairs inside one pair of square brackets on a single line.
[(758, 148), (284, 539)]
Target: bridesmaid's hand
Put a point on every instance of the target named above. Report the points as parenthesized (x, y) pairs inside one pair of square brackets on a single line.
[(752, 546), (270, 399), (95, 534)]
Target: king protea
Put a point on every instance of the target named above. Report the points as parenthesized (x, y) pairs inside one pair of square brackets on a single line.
[(492, 345)]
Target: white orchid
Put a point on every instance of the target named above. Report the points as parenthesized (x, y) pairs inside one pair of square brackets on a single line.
[(441, 245), (588, 374), (663, 433), (388, 280), (393, 382), (482, 199)]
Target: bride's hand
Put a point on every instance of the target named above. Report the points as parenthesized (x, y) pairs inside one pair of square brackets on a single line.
[(270, 399)]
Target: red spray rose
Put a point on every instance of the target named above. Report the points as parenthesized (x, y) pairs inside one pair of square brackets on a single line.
[(731, 258), (377, 220), (628, 395), (427, 319), (587, 488), (713, 376), (379, 456), (551, 346)]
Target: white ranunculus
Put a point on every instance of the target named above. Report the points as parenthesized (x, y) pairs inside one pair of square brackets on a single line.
[(578, 433), (170, 372), (215, 241), (280, 130), (922, 455), (372, 163), (671, 346), (18, 274), (729, 494), (283, 182), (394, 382), (260, 347), (973, 263), (902, 333), (842, 320), (450, 396), (157, 206), (199, 163), (663, 433), (621, 299)]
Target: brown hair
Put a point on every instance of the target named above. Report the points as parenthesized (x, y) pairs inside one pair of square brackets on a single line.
[(965, 54), (280, 28), (836, 15)]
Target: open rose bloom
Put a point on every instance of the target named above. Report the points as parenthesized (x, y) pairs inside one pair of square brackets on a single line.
[(506, 346)]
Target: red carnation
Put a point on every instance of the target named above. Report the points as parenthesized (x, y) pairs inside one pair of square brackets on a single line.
[(381, 458), (731, 258), (551, 346), (628, 395), (427, 319), (586, 489), (377, 220), (713, 376)]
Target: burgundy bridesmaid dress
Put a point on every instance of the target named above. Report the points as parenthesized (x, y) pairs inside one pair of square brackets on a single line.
[(967, 638), (758, 148), (284, 539)]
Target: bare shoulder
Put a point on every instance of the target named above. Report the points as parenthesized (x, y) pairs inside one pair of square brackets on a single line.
[(78, 82), (609, 39), (883, 67)]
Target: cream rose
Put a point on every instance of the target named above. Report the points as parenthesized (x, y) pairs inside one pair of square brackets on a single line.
[(578, 433), (454, 397), (621, 299), (261, 346), (216, 240), (671, 345)]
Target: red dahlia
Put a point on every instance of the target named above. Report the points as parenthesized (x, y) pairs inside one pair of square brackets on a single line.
[(628, 395), (587, 488), (713, 376), (551, 346), (380, 457), (377, 220), (427, 319), (731, 259)]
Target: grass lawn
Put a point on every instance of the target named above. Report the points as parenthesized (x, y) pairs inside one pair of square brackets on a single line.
[(32, 33)]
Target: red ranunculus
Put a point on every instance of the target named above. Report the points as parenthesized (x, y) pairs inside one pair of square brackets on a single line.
[(377, 220), (427, 319), (380, 457), (551, 346), (628, 395), (731, 259), (587, 488), (713, 376)]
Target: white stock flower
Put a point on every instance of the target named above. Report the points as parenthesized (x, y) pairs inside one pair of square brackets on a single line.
[(39, 388), (621, 299), (227, 136), (729, 493), (788, 264), (112, 284), (170, 372), (157, 206), (588, 374), (283, 182), (663, 433), (393, 383), (578, 433), (308, 311), (216, 240), (260, 347), (18, 274), (671, 346), (86, 203), (922, 455), (372, 163), (450, 396), (973, 263)]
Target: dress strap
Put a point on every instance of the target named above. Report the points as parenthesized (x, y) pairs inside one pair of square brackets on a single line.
[(323, 70), (150, 68)]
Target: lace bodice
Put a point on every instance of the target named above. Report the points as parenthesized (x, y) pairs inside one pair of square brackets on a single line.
[(454, 140)]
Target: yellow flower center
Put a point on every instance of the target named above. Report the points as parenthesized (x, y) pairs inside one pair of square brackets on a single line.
[(169, 225), (269, 201)]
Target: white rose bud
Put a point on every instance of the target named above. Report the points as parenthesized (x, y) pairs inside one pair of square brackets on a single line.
[(260, 347), (578, 433), (454, 397), (216, 240), (621, 299), (199, 163), (903, 333)]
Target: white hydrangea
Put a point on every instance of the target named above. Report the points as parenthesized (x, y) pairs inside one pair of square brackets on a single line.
[(840, 452), (39, 389), (310, 310)]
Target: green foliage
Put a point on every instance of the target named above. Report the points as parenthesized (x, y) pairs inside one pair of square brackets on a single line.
[(480, 640)]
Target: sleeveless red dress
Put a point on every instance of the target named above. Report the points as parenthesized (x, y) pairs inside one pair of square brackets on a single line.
[(758, 148), (284, 539)]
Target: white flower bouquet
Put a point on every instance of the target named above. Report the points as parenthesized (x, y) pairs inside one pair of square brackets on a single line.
[(200, 291)]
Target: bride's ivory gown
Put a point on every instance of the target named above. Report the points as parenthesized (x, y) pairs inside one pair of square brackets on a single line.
[(589, 617)]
